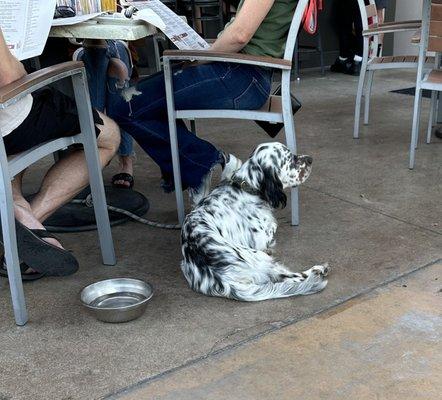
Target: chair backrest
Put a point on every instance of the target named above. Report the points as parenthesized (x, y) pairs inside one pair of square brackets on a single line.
[(294, 29), (431, 34), (435, 32), (369, 14), (369, 17)]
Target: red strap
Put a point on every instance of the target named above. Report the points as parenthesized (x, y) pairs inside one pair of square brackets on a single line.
[(310, 17)]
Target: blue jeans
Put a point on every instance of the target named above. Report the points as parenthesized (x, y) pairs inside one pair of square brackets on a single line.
[(206, 86), (96, 60)]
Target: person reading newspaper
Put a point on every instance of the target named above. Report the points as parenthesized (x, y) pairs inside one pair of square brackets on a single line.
[(259, 28), (46, 115)]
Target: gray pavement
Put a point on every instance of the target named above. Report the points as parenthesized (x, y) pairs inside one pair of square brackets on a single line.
[(362, 210), (386, 345)]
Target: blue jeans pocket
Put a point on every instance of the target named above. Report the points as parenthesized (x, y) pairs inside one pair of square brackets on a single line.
[(253, 97)]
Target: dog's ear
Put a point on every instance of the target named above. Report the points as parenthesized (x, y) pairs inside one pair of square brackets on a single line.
[(271, 188)]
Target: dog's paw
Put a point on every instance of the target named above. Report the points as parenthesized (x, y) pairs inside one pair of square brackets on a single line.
[(322, 270)]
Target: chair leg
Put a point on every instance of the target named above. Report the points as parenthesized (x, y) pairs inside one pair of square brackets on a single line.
[(13, 267), (94, 168), (290, 135), (174, 141), (360, 89), (432, 118), (297, 59), (321, 51), (415, 128), (10, 242), (367, 99)]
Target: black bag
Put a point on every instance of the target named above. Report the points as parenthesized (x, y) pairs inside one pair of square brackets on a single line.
[(272, 129)]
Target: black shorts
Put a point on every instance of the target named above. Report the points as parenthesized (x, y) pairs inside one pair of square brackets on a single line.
[(380, 4), (53, 115)]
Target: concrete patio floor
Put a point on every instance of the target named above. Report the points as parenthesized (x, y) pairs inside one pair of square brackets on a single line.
[(395, 354), (362, 210)]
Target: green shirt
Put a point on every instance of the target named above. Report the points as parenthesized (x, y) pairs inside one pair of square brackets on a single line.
[(271, 36)]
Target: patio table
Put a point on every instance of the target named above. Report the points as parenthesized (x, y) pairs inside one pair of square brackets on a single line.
[(426, 5), (105, 27)]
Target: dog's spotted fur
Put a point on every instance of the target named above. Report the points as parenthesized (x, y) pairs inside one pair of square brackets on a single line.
[(227, 238)]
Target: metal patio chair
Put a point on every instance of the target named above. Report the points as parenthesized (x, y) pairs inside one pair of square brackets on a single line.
[(278, 109), (430, 40), (9, 95), (372, 61)]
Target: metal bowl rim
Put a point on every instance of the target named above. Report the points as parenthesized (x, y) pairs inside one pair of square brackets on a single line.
[(117, 308)]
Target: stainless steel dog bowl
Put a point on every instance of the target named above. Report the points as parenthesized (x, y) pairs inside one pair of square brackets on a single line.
[(117, 300)]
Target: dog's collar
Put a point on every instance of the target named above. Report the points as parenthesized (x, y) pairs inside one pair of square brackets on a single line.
[(244, 186)]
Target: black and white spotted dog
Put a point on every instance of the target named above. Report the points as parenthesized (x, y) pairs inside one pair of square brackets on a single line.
[(226, 239)]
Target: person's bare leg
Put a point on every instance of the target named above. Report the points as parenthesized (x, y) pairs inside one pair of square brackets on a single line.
[(69, 176), (23, 211)]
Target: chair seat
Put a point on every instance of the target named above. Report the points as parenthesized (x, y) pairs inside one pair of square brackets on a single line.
[(271, 111), (433, 80), (392, 62)]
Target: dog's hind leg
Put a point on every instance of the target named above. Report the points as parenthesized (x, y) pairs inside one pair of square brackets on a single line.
[(283, 284)]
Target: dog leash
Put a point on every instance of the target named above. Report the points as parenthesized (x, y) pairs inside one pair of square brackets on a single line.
[(88, 202)]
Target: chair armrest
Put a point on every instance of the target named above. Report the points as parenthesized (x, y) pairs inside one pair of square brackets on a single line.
[(38, 79), (416, 38), (238, 58), (393, 27)]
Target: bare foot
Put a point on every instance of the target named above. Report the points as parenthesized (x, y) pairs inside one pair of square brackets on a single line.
[(125, 166)]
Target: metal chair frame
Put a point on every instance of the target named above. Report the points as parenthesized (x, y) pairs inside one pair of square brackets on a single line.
[(279, 108), (372, 62), (11, 94), (430, 40)]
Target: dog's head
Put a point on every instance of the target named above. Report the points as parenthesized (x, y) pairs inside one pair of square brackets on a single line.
[(272, 167)]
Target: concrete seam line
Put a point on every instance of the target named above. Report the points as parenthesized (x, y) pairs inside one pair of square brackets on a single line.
[(281, 325)]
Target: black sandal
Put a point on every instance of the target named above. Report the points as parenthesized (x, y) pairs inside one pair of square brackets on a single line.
[(123, 177), (44, 257), (25, 276)]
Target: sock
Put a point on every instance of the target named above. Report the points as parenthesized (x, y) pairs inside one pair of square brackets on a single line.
[(358, 58), (343, 58)]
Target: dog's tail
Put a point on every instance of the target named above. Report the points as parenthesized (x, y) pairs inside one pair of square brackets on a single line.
[(248, 275)]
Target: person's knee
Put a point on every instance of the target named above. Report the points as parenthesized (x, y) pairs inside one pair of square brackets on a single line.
[(109, 137)]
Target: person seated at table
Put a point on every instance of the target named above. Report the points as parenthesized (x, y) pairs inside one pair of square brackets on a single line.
[(259, 28), (46, 115)]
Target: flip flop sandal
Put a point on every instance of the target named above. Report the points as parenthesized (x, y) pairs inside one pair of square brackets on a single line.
[(44, 257), (25, 277), (123, 177)]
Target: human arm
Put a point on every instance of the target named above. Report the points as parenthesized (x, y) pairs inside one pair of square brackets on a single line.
[(10, 68), (235, 37)]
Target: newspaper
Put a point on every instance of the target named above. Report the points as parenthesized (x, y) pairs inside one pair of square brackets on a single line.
[(174, 27), (25, 25)]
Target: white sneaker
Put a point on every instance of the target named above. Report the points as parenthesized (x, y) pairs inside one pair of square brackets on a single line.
[(232, 165), (196, 195)]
